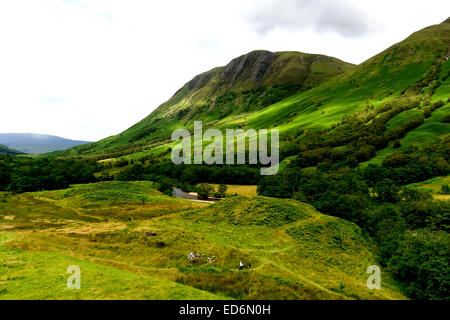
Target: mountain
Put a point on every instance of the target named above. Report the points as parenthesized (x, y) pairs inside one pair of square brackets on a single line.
[(420, 57), (248, 83), (37, 143), (292, 92), (6, 150)]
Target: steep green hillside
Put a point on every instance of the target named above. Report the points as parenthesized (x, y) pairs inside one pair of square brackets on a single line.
[(406, 67), (6, 150), (291, 91), (248, 83), (130, 241)]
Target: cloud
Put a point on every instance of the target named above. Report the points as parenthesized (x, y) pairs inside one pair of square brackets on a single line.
[(342, 17), (55, 99)]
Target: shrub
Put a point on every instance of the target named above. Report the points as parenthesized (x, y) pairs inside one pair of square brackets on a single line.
[(421, 262), (445, 189), (165, 186), (204, 191), (446, 118), (438, 104), (221, 192), (386, 191)]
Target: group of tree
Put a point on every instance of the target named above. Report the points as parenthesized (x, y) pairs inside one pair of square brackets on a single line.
[(356, 138), (193, 174), (24, 174)]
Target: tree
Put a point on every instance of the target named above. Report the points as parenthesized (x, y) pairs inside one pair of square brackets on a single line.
[(386, 191), (165, 186), (204, 190), (221, 191), (421, 262)]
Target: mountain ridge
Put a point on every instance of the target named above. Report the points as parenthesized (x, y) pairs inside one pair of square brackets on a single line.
[(37, 143), (243, 94), (249, 82)]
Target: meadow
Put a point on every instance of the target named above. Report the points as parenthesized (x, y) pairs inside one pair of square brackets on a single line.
[(434, 186), (132, 242), (232, 189)]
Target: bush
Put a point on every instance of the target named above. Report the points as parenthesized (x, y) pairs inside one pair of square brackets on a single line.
[(204, 191), (422, 262), (438, 104), (445, 189), (221, 192), (165, 186), (446, 118), (387, 191)]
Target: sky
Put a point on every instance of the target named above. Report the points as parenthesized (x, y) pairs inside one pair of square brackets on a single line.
[(86, 70)]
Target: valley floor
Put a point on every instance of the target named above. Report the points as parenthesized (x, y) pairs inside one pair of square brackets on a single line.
[(132, 242)]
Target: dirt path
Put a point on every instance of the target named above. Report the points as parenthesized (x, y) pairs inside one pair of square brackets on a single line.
[(180, 194)]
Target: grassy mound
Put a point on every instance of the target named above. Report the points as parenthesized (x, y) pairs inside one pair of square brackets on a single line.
[(254, 211), (107, 191), (129, 200)]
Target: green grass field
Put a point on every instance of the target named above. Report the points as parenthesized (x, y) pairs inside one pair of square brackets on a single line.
[(295, 252), (434, 186), (248, 191)]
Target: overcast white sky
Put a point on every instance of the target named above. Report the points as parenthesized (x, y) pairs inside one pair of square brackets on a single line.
[(89, 69)]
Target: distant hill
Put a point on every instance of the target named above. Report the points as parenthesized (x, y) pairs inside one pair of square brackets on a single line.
[(36, 143), (6, 150)]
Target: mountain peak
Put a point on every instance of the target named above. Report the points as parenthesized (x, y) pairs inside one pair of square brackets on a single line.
[(265, 68)]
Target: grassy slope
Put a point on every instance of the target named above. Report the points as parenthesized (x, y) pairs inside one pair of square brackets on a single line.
[(303, 70), (42, 275), (295, 252), (248, 191), (370, 84), (432, 131), (6, 150), (434, 186)]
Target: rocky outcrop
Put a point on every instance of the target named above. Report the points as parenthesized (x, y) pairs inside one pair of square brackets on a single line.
[(263, 68), (252, 66)]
